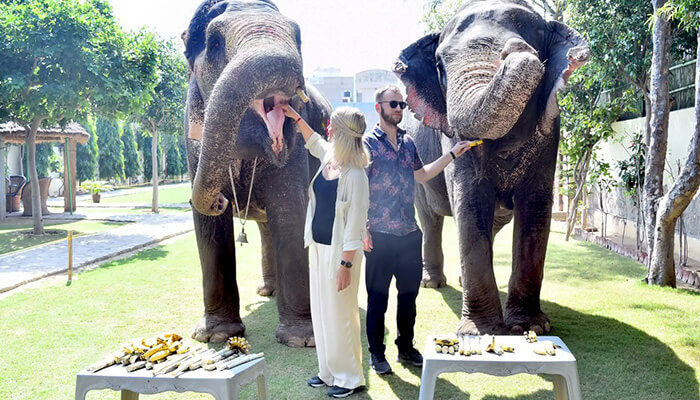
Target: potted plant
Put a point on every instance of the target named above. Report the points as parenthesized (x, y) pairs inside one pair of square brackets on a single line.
[(95, 188)]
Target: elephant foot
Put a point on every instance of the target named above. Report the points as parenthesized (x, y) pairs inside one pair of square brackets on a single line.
[(492, 325), (215, 329), (519, 320), (297, 335), (433, 280), (267, 289)]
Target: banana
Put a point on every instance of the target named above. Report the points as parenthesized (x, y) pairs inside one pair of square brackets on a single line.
[(539, 349), (508, 349), (530, 336), (159, 355), (438, 348), (153, 350), (545, 348)]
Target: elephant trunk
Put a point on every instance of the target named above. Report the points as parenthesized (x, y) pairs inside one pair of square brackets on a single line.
[(487, 91), (251, 78)]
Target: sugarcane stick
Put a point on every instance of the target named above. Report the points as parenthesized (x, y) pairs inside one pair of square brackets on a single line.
[(137, 365), (242, 360), (102, 364), (172, 361)]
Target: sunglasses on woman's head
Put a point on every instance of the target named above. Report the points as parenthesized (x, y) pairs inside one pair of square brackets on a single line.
[(394, 103)]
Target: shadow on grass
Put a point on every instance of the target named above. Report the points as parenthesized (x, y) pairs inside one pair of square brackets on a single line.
[(615, 360), (155, 253)]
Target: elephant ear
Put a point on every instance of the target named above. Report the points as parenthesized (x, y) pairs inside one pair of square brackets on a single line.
[(567, 51), (416, 67)]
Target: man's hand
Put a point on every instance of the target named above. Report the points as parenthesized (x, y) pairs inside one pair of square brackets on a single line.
[(368, 242), (343, 278)]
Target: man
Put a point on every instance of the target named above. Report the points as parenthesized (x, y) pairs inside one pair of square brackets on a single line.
[(393, 242)]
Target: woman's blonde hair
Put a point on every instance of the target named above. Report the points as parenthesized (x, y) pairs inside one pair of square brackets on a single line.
[(348, 149)]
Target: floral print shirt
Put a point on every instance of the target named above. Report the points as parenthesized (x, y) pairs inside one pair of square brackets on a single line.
[(391, 183)]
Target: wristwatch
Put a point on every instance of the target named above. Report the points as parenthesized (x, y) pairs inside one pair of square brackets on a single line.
[(346, 264)]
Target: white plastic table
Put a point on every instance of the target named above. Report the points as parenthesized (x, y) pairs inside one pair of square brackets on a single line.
[(561, 367), (223, 385)]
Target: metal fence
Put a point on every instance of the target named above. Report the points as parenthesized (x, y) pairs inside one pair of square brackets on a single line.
[(681, 90)]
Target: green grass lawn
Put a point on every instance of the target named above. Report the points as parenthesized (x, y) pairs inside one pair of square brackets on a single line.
[(166, 195), (632, 341), (14, 237)]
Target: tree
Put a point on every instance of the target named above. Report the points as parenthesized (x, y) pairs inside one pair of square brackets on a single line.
[(62, 59), (586, 122), (173, 164), (665, 209), (165, 112), (132, 165), (146, 146), (111, 157), (87, 155)]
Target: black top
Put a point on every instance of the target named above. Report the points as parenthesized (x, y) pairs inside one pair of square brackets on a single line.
[(322, 225)]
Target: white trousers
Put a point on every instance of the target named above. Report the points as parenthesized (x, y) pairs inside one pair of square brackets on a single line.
[(336, 320)]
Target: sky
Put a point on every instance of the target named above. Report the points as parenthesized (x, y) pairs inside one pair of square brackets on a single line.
[(351, 35)]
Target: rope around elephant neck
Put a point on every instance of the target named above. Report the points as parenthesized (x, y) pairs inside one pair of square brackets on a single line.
[(250, 192)]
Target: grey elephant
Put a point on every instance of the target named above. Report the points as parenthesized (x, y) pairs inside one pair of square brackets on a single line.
[(493, 73), (245, 62)]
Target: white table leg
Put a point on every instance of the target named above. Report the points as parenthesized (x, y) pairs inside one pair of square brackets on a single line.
[(427, 382), (262, 387), (129, 395), (572, 383), (560, 386)]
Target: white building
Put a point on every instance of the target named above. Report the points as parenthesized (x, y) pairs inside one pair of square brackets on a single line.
[(367, 82)]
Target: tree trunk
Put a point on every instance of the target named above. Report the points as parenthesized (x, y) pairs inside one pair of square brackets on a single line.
[(154, 170), (661, 268), (34, 177), (658, 140), (580, 173)]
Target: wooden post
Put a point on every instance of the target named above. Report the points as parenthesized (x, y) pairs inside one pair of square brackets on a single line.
[(3, 194), (154, 170), (69, 175), (70, 256)]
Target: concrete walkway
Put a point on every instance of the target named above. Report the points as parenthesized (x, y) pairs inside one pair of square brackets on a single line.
[(32, 264)]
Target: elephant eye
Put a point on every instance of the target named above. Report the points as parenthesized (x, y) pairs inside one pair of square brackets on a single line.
[(215, 43), (442, 76)]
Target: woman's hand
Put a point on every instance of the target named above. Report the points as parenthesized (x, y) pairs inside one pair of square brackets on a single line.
[(290, 112), (367, 243), (343, 278)]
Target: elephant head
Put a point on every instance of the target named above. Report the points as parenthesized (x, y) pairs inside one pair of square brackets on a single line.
[(244, 60), (476, 77)]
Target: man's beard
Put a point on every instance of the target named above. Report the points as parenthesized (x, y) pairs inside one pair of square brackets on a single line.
[(389, 119)]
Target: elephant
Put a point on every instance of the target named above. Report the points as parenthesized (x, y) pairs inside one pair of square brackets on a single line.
[(245, 63), (491, 74)]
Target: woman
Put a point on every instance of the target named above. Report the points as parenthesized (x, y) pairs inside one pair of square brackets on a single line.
[(335, 227)]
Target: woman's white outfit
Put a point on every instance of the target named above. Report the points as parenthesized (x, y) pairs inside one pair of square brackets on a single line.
[(335, 315)]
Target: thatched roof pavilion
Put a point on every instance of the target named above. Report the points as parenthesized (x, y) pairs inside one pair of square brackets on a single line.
[(69, 136)]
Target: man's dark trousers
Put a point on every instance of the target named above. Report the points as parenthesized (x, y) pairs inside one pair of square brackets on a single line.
[(400, 257)]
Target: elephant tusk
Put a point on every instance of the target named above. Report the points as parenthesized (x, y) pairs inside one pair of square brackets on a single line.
[(303, 95)]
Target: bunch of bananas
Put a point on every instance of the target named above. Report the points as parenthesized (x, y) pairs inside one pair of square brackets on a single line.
[(169, 353), (470, 345), (144, 353), (239, 343), (446, 345), (492, 347), (530, 336), (545, 348)]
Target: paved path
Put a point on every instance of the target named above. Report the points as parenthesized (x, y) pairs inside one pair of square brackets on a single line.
[(29, 265)]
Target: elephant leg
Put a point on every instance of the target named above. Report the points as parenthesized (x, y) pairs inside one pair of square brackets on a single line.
[(433, 259), (269, 278), (474, 212), (285, 200), (533, 214), (217, 256)]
